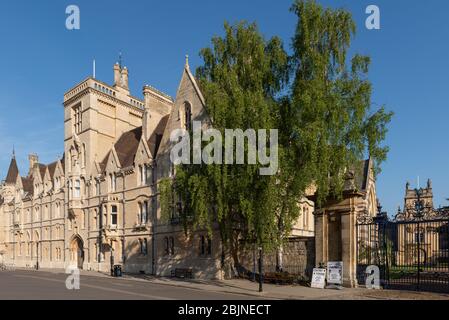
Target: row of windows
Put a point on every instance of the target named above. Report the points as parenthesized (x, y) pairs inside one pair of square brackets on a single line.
[(31, 250), (19, 218), (145, 178), (205, 248), (144, 209)]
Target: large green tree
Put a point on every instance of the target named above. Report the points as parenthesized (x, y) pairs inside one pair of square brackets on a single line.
[(318, 98), (242, 77)]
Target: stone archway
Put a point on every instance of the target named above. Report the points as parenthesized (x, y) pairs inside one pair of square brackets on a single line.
[(77, 252)]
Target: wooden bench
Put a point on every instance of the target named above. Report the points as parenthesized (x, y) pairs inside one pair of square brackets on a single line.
[(182, 273)]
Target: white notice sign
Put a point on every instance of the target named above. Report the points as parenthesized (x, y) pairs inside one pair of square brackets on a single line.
[(319, 278), (335, 273)]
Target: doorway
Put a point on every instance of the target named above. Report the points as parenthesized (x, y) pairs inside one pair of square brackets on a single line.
[(77, 252)]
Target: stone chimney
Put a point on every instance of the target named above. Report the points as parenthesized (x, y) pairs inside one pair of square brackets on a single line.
[(33, 160), (125, 84), (117, 74)]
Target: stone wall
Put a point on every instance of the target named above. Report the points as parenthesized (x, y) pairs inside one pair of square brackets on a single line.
[(298, 258)]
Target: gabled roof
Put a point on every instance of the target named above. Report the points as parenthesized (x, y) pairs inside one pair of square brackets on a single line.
[(52, 169), (156, 138), (13, 172), (361, 175), (42, 168), (27, 184), (127, 145)]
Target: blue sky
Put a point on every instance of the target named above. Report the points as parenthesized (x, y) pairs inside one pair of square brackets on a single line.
[(40, 59)]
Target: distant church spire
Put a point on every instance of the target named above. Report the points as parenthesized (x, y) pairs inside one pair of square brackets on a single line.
[(13, 152)]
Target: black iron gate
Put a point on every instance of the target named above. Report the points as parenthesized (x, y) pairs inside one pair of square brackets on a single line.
[(411, 254)]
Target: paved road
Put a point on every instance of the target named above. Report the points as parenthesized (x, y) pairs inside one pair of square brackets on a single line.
[(31, 285)]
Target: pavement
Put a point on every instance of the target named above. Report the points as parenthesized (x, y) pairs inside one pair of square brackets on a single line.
[(50, 284)]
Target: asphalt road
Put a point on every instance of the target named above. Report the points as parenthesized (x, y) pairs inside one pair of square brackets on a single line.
[(31, 285)]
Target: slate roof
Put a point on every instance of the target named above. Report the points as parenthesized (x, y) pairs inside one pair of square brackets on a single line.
[(42, 169), (13, 172), (127, 145), (28, 185), (52, 169)]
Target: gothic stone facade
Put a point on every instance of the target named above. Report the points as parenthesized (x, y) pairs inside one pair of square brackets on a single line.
[(99, 204)]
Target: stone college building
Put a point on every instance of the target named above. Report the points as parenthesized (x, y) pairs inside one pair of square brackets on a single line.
[(99, 204)]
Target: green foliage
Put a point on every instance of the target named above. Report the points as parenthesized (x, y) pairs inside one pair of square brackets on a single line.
[(325, 123), (166, 199), (241, 77), (331, 102)]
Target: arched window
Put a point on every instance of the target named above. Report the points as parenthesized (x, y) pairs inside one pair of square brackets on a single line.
[(167, 246), (169, 243), (113, 182), (187, 116), (145, 247), (172, 245), (144, 212), (205, 246)]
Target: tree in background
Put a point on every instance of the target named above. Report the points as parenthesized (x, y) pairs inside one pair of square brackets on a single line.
[(330, 103)]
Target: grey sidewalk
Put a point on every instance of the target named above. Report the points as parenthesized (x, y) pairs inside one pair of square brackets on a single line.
[(249, 288)]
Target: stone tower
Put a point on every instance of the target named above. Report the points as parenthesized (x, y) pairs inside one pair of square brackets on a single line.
[(411, 196)]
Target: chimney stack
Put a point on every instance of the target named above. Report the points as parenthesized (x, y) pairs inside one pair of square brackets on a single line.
[(117, 74), (33, 160), (125, 84)]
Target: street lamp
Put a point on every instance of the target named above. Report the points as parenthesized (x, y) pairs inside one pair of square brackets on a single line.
[(260, 269), (37, 255), (112, 258)]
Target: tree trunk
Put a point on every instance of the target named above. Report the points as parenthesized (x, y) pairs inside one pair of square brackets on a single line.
[(280, 259)]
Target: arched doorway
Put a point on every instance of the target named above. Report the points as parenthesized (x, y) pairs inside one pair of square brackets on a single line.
[(77, 252)]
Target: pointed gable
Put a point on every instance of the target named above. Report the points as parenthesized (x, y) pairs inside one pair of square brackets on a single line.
[(42, 169), (188, 94), (51, 169), (13, 172)]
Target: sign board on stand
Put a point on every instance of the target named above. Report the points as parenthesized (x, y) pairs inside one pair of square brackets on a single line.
[(335, 273), (319, 278)]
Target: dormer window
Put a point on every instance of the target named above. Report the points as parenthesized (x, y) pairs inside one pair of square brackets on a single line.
[(145, 175), (112, 182)]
